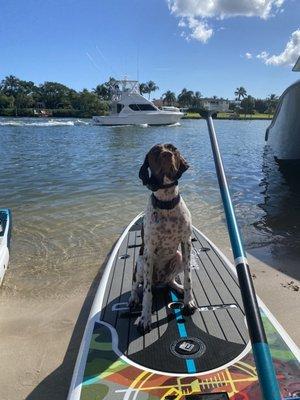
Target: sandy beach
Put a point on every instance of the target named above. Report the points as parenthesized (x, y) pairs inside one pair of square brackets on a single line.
[(40, 340)]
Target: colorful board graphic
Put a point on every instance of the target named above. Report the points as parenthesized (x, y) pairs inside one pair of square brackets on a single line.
[(106, 376)]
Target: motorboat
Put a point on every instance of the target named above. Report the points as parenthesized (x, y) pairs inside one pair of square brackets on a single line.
[(283, 135), (129, 107)]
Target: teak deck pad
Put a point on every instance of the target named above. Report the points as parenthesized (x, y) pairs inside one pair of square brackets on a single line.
[(219, 325)]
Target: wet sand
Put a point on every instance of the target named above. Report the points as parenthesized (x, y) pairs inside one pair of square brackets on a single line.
[(40, 339)]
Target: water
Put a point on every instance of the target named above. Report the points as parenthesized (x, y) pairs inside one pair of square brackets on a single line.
[(73, 187)]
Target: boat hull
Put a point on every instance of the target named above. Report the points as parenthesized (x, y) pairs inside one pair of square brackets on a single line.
[(151, 118), (283, 135), (5, 233)]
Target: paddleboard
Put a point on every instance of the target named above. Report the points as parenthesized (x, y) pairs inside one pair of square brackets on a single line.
[(205, 356), (5, 234)]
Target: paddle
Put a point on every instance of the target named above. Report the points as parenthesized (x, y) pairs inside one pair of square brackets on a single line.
[(261, 351)]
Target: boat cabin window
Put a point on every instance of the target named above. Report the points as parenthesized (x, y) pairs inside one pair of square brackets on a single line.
[(119, 107), (142, 107)]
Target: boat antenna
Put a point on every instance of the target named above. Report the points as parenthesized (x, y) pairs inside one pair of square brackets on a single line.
[(138, 63), (261, 351), (93, 61)]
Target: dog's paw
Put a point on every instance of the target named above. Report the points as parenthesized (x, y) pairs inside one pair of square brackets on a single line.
[(189, 307), (143, 325), (134, 301)]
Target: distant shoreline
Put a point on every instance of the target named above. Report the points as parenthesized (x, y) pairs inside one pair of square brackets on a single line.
[(229, 116), (85, 115)]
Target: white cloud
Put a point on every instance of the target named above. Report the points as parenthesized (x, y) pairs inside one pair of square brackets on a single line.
[(248, 56), (181, 23), (200, 30), (289, 55), (196, 12), (263, 55), (224, 8)]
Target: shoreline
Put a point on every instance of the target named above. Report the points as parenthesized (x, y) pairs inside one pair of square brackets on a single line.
[(248, 117), (190, 116)]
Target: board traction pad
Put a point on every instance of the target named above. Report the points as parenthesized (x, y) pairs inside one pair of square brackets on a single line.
[(119, 373)]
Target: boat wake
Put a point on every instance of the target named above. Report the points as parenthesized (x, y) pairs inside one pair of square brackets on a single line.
[(50, 122)]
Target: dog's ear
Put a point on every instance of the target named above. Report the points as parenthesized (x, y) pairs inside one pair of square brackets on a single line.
[(183, 166), (144, 171)]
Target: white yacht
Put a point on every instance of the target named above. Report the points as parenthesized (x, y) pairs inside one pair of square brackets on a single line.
[(129, 107), (283, 135)]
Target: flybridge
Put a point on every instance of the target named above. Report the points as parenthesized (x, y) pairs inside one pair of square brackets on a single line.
[(124, 86)]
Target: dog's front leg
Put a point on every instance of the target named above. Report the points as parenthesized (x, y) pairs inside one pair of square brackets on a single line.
[(144, 322), (137, 279), (189, 302)]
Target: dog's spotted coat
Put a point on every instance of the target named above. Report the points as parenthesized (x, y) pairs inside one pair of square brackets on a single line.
[(163, 232)]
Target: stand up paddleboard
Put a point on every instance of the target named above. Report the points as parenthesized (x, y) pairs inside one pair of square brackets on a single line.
[(5, 233), (206, 356)]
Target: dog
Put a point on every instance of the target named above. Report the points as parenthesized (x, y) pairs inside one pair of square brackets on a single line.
[(166, 225)]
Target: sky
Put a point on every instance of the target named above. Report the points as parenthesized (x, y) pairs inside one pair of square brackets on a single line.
[(208, 46)]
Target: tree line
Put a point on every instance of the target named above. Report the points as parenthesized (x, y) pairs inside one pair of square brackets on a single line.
[(19, 97), (25, 98), (243, 103)]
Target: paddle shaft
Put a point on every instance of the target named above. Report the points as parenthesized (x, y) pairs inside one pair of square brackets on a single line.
[(261, 351)]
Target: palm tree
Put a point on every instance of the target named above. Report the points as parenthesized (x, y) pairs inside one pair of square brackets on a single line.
[(144, 88), (151, 87), (169, 98), (197, 99), (272, 101), (185, 98), (240, 92)]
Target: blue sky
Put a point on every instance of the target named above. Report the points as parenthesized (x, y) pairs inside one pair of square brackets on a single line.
[(179, 43)]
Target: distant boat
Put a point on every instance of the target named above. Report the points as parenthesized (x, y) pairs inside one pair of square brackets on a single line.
[(283, 135), (42, 113), (129, 107)]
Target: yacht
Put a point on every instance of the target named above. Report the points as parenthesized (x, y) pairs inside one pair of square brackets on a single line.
[(129, 107), (283, 135)]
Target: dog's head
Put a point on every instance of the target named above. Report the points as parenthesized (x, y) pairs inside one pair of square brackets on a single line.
[(163, 161)]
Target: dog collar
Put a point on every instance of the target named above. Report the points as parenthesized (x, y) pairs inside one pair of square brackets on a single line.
[(165, 205)]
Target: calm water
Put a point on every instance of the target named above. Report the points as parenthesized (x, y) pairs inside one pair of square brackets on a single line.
[(73, 187)]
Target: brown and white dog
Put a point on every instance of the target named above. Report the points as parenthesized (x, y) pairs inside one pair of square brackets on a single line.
[(167, 223)]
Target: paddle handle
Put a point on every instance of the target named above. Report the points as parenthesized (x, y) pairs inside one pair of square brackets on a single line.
[(261, 351)]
